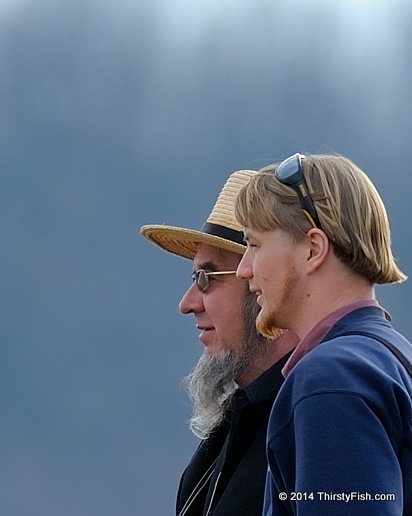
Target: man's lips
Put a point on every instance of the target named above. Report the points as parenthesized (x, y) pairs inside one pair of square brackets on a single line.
[(204, 329)]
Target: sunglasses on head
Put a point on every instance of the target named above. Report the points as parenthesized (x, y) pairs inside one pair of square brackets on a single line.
[(201, 277), (290, 173)]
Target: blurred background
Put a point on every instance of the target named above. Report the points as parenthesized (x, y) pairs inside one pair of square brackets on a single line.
[(121, 113)]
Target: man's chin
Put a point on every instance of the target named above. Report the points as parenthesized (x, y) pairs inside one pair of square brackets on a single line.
[(208, 338), (213, 351), (266, 326)]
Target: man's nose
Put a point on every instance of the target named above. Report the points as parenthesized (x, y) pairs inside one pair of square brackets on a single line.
[(192, 300)]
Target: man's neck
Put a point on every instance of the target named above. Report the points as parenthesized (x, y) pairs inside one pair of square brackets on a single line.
[(274, 352), (325, 293)]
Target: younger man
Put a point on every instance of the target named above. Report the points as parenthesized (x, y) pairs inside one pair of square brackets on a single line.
[(340, 433)]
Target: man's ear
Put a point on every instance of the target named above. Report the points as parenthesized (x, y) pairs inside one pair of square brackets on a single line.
[(318, 249)]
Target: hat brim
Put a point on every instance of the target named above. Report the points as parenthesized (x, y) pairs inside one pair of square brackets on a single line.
[(185, 242)]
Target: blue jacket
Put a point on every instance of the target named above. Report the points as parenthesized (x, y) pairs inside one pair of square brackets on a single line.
[(340, 432)]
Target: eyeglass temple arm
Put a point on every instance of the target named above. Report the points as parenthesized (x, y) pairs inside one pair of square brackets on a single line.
[(306, 202), (219, 272)]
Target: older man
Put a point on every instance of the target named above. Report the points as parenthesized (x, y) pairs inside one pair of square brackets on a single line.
[(235, 381)]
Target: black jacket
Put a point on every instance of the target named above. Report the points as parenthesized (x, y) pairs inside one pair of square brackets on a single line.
[(234, 456)]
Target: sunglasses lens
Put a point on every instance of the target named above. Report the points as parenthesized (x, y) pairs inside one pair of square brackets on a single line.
[(288, 168)]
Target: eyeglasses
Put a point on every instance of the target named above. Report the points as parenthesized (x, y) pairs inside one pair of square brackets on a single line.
[(201, 277), (290, 173)]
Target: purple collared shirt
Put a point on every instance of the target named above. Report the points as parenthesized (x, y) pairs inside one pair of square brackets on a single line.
[(316, 334)]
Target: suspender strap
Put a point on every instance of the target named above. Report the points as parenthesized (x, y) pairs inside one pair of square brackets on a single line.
[(396, 351)]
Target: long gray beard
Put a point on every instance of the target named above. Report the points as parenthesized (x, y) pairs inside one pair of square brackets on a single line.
[(212, 382), (210, 386)]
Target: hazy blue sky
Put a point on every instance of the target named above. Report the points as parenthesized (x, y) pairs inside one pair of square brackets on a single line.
[(122, 113)]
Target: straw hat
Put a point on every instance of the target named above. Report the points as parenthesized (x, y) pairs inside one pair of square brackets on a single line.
[(220, 230)]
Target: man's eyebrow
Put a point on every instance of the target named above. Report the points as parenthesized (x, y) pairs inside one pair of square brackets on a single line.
[(208, 266), (246, 236)]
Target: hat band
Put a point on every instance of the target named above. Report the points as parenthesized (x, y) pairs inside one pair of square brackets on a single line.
[(224, 232)]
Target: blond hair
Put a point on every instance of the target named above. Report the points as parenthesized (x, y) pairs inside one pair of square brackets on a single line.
[(350, 209)]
